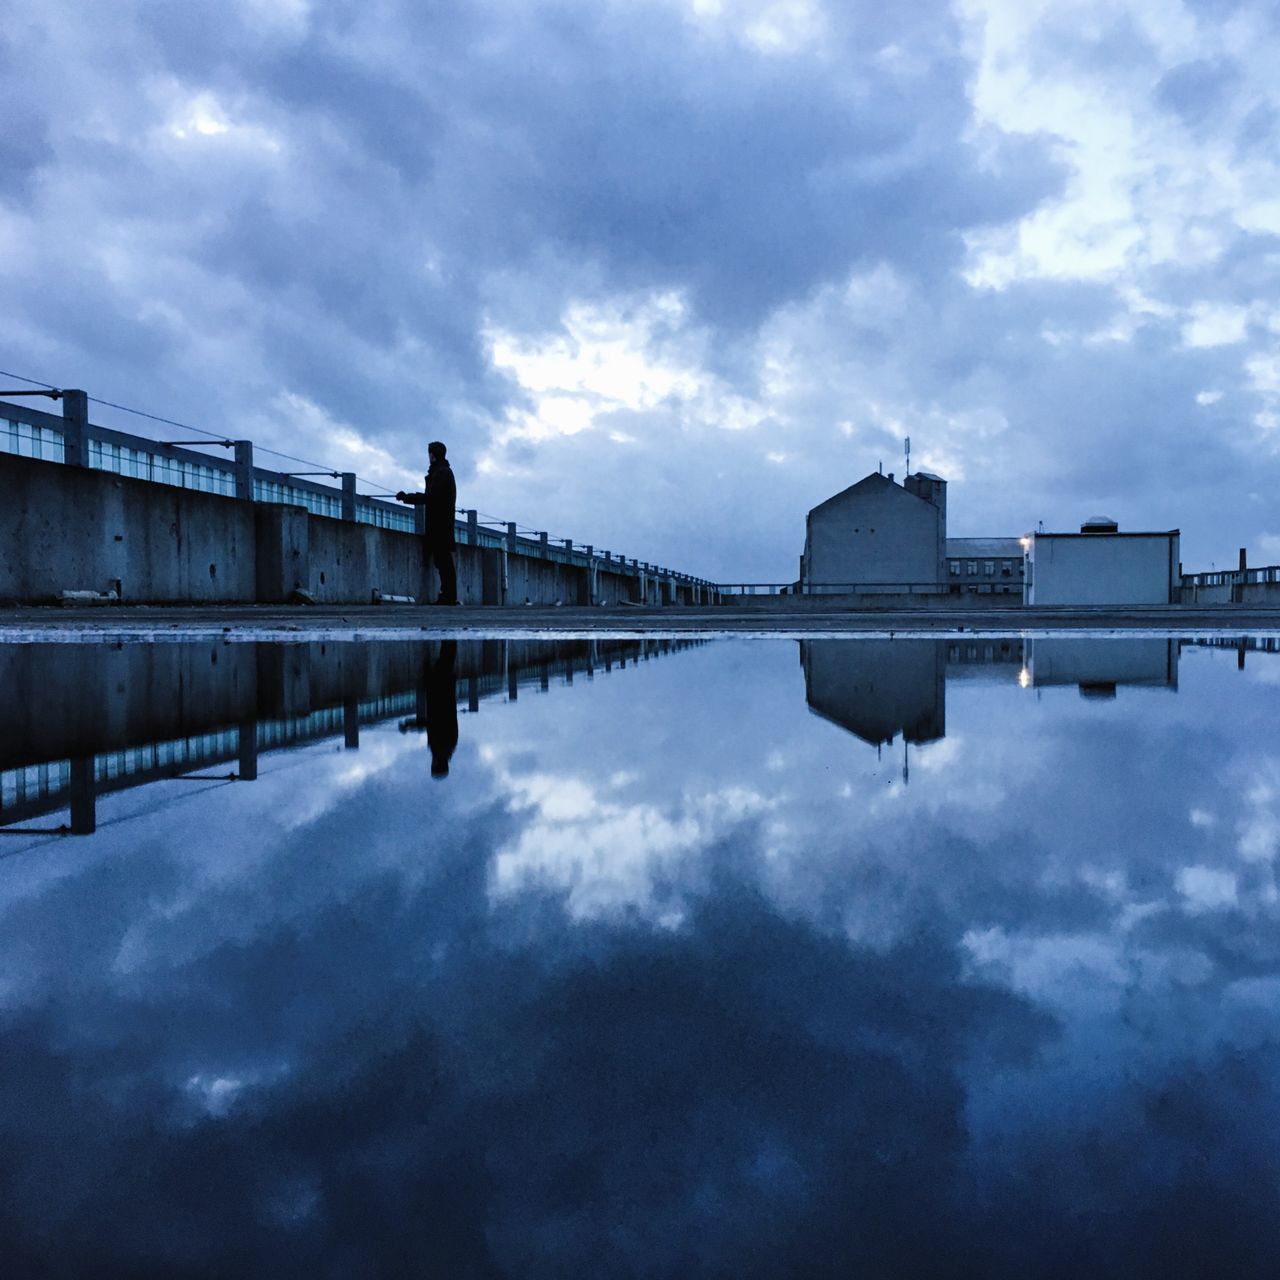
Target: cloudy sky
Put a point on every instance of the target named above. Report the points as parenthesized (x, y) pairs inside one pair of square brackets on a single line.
[(666, 273)]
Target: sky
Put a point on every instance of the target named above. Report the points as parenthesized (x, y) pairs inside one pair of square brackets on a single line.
[(646, 1005), (665, 274)]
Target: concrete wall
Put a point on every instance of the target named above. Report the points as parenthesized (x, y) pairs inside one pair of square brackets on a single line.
[(871, 601), (1264, 593), (874, 531), (68, 528), (1100, 568)]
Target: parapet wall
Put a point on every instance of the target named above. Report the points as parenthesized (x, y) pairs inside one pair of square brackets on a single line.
[(68, 528)]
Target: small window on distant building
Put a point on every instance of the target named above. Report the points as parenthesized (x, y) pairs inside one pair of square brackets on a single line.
[(989, 568), (955, 568), (1006, 568), (973, 568)]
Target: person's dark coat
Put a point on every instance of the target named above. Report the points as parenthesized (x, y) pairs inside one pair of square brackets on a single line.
[(441, 499)]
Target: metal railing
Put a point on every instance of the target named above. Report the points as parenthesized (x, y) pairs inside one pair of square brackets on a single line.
[(71, 439), (1232, 577), (841, 588)]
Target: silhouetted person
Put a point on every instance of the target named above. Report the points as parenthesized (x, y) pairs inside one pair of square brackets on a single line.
[(438, 707), (440, 500)]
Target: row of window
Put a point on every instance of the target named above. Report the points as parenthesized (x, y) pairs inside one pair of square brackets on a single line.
[(988, 568)]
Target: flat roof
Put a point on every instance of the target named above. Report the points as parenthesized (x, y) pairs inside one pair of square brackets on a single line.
[(1098, 537), (984, 547)]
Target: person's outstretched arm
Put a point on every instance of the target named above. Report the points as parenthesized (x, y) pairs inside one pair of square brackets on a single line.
[(413, 499)]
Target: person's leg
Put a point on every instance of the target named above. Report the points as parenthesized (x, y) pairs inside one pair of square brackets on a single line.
[(448, 575), (428, 554)]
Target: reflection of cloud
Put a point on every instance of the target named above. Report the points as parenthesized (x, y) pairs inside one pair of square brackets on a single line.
[(1207, 889), (730, 1061), (606, 856)]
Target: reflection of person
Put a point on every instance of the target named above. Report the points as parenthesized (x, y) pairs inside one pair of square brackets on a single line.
[(438, 708), (440, 500)]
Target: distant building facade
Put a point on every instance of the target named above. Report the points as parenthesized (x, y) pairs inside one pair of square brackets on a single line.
[(881, 537), (1103, 566), (878, 533), (986, 566)]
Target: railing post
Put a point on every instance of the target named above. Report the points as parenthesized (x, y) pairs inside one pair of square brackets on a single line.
[(75, 422), (244, 470), (543, 548), (511, 537), (349, 495), (473, 528), (568, 546)]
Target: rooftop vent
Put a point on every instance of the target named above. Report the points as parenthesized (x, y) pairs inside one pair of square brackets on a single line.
[(1099, 524)]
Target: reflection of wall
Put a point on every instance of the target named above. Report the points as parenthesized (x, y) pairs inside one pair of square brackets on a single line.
[(84, 719), (994, 658), (877, 689), (1099, 665)]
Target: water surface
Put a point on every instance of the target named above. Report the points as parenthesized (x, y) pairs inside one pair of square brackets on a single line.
[(905, 957)]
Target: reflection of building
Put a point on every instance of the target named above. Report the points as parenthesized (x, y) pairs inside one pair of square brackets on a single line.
[(1100, 565), (990, 658), (84, 720), (1096, 667), (878, 689)]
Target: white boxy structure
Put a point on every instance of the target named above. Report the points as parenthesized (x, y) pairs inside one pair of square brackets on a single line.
[(1100, 565)]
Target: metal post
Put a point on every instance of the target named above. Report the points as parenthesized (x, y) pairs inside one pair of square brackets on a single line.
[(349, 495), (473, 529), (351, 724), (244, 470), (511, 537), (543, 549), (75, 423)]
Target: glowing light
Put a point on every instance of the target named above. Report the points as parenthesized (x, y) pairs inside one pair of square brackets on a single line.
[(1024, 678)]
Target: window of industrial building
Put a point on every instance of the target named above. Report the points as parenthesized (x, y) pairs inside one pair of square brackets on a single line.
[(1006, 568), (973, 568), (989, 568), (955, 568)]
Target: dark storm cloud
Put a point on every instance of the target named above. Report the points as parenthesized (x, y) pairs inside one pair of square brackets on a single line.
[(429, 155), (230, 213)]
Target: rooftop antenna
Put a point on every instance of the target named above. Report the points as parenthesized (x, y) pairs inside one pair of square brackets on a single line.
[(908, 448), (880, 464)]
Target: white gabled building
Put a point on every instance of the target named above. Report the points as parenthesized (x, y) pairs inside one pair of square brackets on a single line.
[(880, 534)]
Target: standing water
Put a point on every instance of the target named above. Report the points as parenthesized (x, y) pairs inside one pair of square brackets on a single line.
[(636, 958)]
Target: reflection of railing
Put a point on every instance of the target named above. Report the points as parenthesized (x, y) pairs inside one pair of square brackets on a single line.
[(72, 440), (29, 791)]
